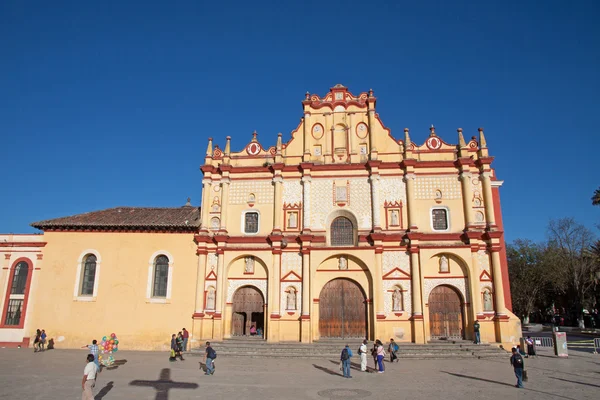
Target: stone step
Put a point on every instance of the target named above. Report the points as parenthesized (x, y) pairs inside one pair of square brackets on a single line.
[(423, 356)]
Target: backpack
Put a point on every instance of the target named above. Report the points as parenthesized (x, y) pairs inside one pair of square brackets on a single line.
[(518, 361), (395, 347), (345, 354), (212, 353)]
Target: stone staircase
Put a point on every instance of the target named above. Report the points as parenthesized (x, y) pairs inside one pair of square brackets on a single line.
[(253, 347)]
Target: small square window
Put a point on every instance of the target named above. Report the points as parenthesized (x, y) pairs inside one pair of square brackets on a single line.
[(439, 219), (251, 222)]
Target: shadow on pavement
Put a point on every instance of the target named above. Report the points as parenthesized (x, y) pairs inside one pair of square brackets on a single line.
[(164, 384), (355, 366), (581, 383), (327, 370), (104, 391)]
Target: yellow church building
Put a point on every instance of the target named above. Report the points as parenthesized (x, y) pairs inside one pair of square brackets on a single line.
[(343, 231)]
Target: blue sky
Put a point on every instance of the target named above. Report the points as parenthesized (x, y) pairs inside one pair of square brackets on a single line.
[(110, 103)]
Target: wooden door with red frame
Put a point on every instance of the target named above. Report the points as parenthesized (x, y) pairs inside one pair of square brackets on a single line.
[(342, 310), (445, 313), (248, 309)]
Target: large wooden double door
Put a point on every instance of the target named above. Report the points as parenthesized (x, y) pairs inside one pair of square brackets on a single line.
[(445, 314), (248, 309), (342, 310)]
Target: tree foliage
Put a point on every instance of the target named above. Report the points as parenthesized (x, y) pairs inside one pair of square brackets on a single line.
[(596, 198)]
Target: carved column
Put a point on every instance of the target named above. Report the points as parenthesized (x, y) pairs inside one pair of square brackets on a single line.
[(220, 300), (375, 183), (410, 200), (417, 297), (225, 182), (200, 282), (328, 134), (499, 305), (351, 131), (474, 284), (306, 204), (276, 295), (205, 209), (467, 191), (378, 278), (278, 182), (305, 283), (307, 133), (488, 198)]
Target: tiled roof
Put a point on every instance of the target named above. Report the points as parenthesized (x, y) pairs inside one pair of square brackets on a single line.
[(186, 218)]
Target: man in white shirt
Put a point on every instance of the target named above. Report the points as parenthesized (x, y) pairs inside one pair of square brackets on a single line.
[(362, 350), (89, 378)]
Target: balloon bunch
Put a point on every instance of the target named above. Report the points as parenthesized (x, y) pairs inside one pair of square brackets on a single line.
[(109, 345)]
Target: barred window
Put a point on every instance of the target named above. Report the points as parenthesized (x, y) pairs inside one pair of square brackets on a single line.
[(13, 312), (439, 219), (251, 222), (20, 278), (88, 275), (161, 276), (342, 232)]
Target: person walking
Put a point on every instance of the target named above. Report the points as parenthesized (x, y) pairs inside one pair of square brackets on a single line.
[(89, 379), (36, 341), (362, 352), (530, 347), (179, 343), (476, 331), (516, 360), (186, 336), (345, 359), (173, 348), (380, 356), (94, 351), (43, 339), (209, 358), (393, 349)]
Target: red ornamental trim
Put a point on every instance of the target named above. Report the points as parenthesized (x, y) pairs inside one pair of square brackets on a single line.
[(365, 131), (254, 148), (23, 244), (305, 317), (319, 135), (198, 315)]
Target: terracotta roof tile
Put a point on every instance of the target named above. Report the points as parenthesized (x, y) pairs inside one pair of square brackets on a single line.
[(185, 218)]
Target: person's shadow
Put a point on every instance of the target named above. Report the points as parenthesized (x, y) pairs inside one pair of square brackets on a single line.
[(104, 391)]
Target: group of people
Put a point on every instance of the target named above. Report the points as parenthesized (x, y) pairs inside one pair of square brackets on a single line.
[(179, 344), (40, 340), (377, 352), (255, 332)]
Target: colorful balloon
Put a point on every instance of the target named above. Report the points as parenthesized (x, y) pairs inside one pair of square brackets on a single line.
[(116, 341), (115, 350), (112, 335)]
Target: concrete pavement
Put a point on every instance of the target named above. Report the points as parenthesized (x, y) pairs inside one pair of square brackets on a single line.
[(56, 374)]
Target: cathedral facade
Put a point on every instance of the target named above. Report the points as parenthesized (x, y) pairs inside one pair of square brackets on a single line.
[(343, 231)]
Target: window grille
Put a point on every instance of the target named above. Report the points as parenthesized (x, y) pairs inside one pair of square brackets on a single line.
[(13, 312), (161, 276), (439, 218), (89, 275), (342, 232), (20, 278), (251, 222)]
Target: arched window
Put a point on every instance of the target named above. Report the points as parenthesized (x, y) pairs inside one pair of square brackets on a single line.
[(19, 281), (88, 275), (342, 232), (161, 276)]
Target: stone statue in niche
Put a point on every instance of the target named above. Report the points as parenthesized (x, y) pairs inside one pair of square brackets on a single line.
[(210, 299), (291, 299), (249, 269), (394, 218), (444, 264), (487, 301), (397, 300), (252, 198), (343, 263), (216, 205), (214, 223), (293, 220)]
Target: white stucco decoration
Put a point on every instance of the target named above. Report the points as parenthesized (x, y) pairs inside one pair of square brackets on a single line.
[(427, 186), (292, 191), (291, 262), (322, 201), (483, 259), (396, 259), (235, 284), (392, 190), (458, 283), (388, 287), (263, 191)]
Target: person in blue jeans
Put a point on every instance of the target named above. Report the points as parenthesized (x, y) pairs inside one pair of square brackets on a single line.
[(209, 357), (345, 359), (516, 360), (476, 331)]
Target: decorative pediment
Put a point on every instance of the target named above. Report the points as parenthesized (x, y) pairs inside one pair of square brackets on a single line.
[(212, 276), (485, 277), (396, 273), (291, 277)]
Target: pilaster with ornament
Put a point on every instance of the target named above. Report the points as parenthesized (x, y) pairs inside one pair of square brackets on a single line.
[(200, 279), (415, 273), (499, 305), (221, 279), (486, 183), (305, 282), (410, 179), (306, 126), (474, 282), (225, 182), (205, 209), (374, 179), (371, 101), (306, 214), (465, 180), (277, 209)]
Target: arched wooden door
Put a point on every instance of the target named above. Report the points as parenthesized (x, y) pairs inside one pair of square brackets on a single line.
[(248, 309), (445, 313), (342, 310)]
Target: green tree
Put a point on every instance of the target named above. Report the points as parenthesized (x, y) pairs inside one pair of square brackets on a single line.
[(596, 198), (570, 245), (532, 276)]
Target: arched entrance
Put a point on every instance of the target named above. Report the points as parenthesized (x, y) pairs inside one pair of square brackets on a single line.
[(247, 310), (445, 313), (342, 310)]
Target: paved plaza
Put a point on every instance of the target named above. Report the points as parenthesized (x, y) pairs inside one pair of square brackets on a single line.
[(56, 374)]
